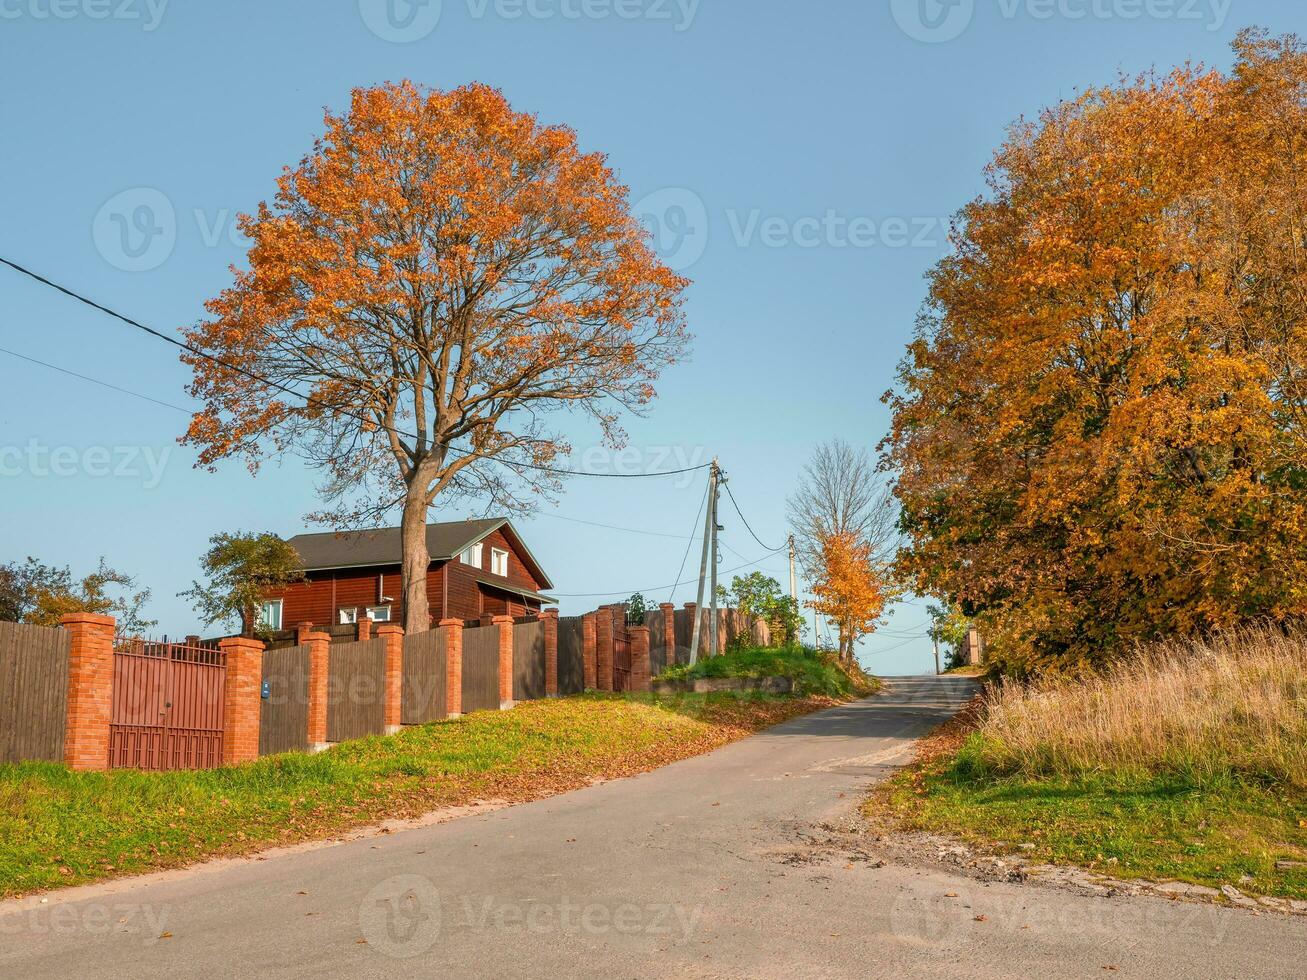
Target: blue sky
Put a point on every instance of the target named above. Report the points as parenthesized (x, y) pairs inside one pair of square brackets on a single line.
[(798, 160)]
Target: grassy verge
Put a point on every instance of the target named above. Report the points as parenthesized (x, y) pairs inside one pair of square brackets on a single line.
[(812, 671), (62, 828), (1183, 763)]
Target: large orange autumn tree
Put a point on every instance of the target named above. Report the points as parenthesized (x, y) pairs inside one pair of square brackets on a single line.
[(433, 281), (1100, 430)]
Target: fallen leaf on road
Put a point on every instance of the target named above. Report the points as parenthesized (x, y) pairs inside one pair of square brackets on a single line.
[(981, 918), (360, 942), (165, 935), (950, 894)]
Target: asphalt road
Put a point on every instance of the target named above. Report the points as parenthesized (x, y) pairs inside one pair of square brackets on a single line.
[(702, 869)]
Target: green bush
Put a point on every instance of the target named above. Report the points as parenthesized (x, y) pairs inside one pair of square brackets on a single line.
[(813, 671)]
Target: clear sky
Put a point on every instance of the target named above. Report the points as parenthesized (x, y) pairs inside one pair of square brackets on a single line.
[(798, 160)]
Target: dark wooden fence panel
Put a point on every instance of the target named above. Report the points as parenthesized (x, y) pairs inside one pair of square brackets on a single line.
[(356, 690), (684, 633), (528, 661), (657, 647), (284, 712), (481, 669), (571, 656), (424, 678), (33, 692)]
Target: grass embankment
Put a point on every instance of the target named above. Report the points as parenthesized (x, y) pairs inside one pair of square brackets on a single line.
[(1185, 762), (61, 828), (813, 671)]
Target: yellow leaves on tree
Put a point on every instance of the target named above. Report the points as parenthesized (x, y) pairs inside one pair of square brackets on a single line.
[(434, 280), (848, 591), (1100, 430)]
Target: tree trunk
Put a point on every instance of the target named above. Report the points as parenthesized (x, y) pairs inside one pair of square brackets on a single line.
[(417, 562)]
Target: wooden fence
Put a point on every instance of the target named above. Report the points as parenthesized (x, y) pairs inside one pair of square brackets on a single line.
[(481, 669), (423, 697), (571, 655), (33, 692), (528, 660), (356, 690), (284, 701)]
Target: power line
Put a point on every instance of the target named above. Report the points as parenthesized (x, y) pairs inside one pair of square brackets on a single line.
[(652, 588), (671, 594), (610, 527), (761, 543), (94, 381), (557, 471)]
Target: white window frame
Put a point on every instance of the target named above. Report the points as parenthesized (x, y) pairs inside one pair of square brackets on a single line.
[(267, 621), (348, 617), (471, 556), (499, 562), (379, 614)]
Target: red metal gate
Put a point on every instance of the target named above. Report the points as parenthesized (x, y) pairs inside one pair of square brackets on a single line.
[(167, 706)]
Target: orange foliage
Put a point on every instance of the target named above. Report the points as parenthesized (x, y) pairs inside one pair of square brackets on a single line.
[(1100, 430), (848, 590), (436, 277)]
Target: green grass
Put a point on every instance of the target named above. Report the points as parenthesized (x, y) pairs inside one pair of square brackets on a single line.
[(59, 827), (1126, 825), (812, 672)]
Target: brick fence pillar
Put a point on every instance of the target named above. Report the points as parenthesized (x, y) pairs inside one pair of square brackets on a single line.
[(453, 630), (90, 689), (393, 634), (240, 701), (505, 624), (549, 624), (669, 632), (319, 645), (302, 632), (639, 657), (364, 629), (604, 648), (693, 609), (588, 649)]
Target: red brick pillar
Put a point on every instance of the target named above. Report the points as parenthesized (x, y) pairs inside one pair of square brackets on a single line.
[(639, 657), (604, 648), (302, 632), (393, 634), (505, 624), (319, 645), (365, 629), (90, 689), (453, 630), (549, 623), (588, 651), (240, 701), (669, 632)]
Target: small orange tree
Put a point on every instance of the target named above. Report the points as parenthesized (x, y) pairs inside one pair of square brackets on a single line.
[(848, 589), (435, 279)]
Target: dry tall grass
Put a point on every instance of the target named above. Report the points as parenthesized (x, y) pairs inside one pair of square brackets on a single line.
[(1233, 705)]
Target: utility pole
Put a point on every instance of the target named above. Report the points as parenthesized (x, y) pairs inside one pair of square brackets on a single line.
[(794, 582), (709, 521), (721, 478), (935, 640)]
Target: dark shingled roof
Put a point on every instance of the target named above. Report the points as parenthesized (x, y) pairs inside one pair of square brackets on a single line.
[(351, 549)]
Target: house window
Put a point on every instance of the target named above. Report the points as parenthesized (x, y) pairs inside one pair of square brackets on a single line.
[(379, 614), (472, 556), (349, 616), (270, 614), (498, 562)]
